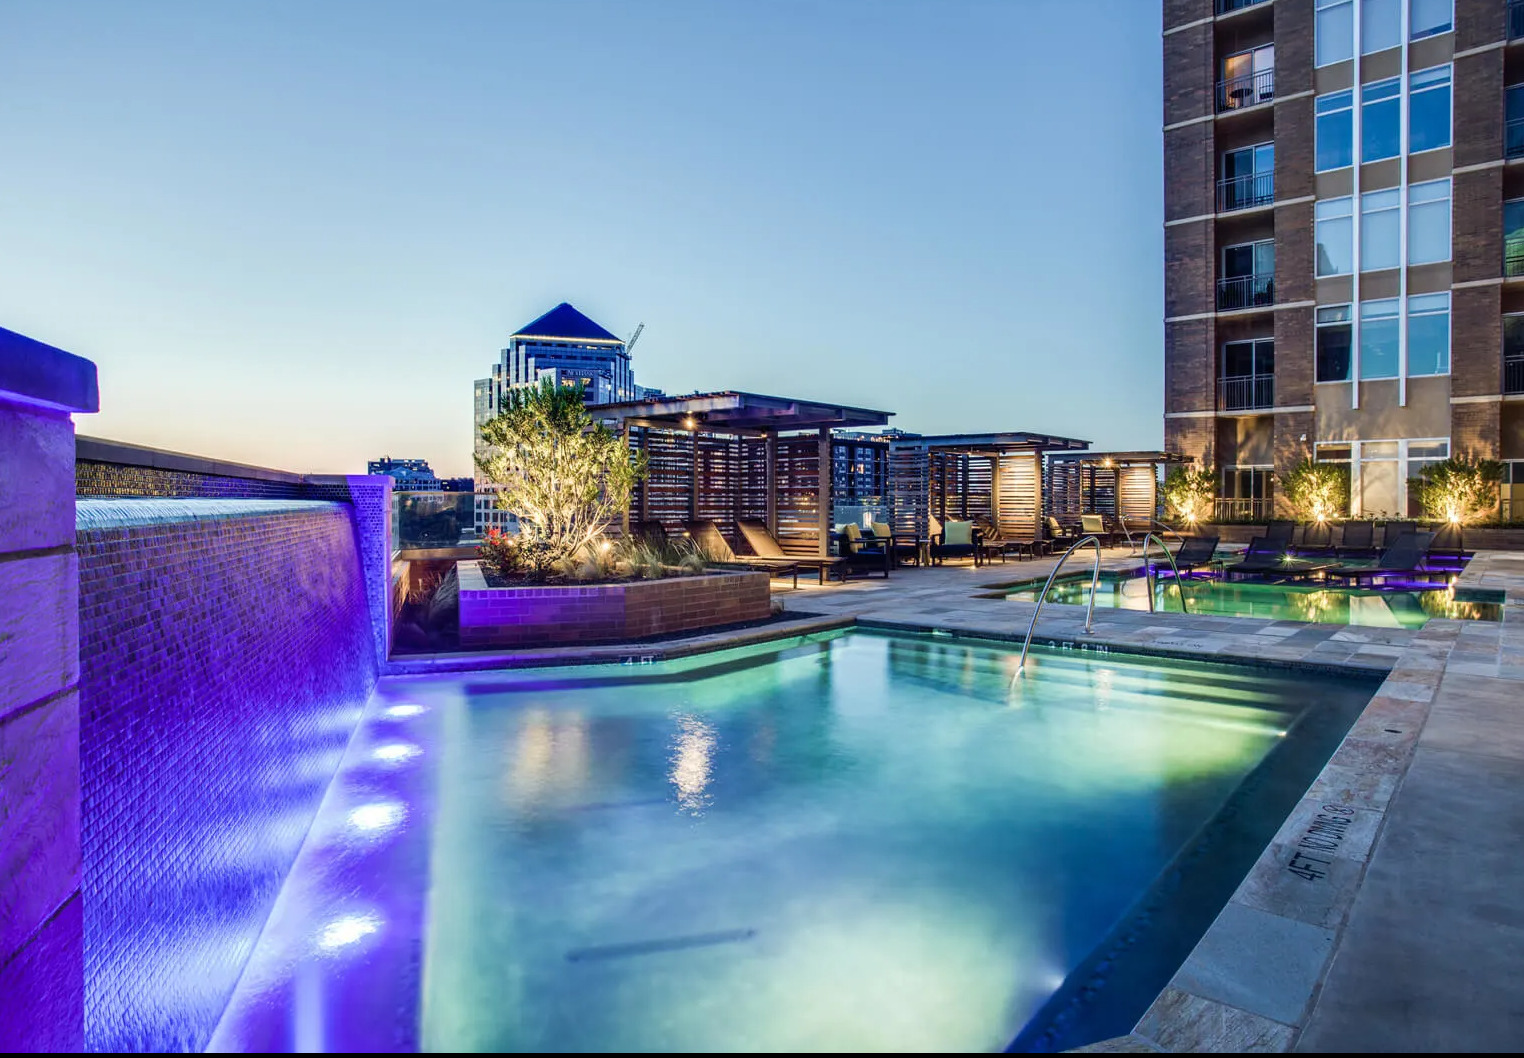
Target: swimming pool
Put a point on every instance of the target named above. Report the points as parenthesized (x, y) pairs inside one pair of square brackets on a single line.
[(1320, 604), (854, 841)]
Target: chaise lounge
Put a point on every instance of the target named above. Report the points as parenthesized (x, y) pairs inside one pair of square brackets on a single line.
[(765, 546), (1406, 555), (709, 540)]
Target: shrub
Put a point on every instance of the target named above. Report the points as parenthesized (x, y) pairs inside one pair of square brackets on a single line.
[(564, 476), (1190, 492), (1458, 490), (1318, 491)]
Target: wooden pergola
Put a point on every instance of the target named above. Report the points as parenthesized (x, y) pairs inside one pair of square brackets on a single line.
[(967, 476), (1119, 484), (727, 456)]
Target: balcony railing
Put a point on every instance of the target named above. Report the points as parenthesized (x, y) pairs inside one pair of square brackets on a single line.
[(1248, 90), (1242, 192), (1233, 509), (1224, 6), (1513, 255), (1245, 292), (1513, 137), (1515, 18), (1246, 393), (1513, 373)]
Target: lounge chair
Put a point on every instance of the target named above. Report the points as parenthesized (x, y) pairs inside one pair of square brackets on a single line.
[(1406, 555), (995, 543), (1280, 532), (1059, 538), (1447, 550), (1357, 540), (1195, 552), (709, 540), (902, 549), (1317, 539), (1095, 525), (765, 547), (1392, 532), (862, 553), (1273, 560), (652, 532), (953, 540)]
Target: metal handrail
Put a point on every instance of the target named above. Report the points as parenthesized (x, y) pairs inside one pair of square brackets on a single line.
[(1152, 524), (1042, 597), (1148, 573)]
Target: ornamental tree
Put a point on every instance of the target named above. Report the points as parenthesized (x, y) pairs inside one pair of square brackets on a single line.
[(1190, 492), (566, 477), (1318, 491), (1458, 490)]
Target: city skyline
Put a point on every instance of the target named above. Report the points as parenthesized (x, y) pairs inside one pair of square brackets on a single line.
[(292, 237)]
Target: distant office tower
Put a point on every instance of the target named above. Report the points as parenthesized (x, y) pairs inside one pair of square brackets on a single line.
[(1344, 240), (565, 347), (409, 475)]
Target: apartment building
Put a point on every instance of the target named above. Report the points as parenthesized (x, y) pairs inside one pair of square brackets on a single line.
[(1344, 240)]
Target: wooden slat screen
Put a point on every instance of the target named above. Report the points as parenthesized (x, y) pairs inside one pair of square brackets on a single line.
[(1137, 489), (1020, 491), (909, 489), (798, 506)]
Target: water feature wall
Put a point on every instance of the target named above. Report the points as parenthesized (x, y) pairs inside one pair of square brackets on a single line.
[(226, 649)]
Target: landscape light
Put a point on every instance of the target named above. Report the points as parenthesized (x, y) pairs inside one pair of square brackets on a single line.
[(689, 422)]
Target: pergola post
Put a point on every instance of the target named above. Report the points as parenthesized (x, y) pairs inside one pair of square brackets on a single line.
[(770, 479), (645, 486), (693, 481), (995, 490), (824, 491)]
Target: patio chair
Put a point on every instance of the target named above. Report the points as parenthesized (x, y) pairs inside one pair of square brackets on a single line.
[(867, 554), (1357, 540), (1395, 531), (995, 543), (709, 540), (765, 547), (1317, 539), (1095, 525), (953, 540), (902, 549), (1406, 555), (1059, 538)]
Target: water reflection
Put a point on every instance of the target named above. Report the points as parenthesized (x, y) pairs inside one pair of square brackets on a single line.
[(692, 761)]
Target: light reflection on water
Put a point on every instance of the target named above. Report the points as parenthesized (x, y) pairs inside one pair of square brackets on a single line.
[(692, 748)]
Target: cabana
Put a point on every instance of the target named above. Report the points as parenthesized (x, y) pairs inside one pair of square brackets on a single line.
[(1121, 485), (968, 476), (722, 457)]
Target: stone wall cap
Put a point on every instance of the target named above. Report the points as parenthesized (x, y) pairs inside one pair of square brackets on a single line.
[(34, 372), (100, 450)]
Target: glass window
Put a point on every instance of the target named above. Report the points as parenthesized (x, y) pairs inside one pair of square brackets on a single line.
[(1243, 359), (1380, 25), (1335, 236), (1513, 238), (1249, 259), (1334, 330), (1335, 31), (1335, 130), (1429, 222), (1248, 78), (1378, 450), (1428, 17), (1332, 453), (1429, 109), (1380, 120), (1429, 334), (1378, 338), (1380, 230)]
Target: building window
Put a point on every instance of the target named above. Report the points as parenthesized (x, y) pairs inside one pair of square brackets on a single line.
[(1248, 275), (1429, 222), (1380, 229), (1335, 452), (1428, 17), (1380, 25), (1335, 130), (1378, 339), (1380, 120), (1248, 375), (1429, 109), (1429, 334), (1248, 78), (1335, 236), (1334, 343), (1513, 238), (1513, 125), (1248, 177), (1421, 456), (1335, 31)]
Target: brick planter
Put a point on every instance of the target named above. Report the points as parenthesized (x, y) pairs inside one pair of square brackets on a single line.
[(557, 615)]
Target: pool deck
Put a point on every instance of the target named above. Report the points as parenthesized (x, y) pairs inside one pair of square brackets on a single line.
[(1386, 914)]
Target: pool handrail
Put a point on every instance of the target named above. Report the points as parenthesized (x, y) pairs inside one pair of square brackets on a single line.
[(1148, 571), (1151, 523), (1042, 597)]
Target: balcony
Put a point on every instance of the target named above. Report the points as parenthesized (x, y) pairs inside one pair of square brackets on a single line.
[(1248, 90), (1513, 138), (1245, 292), (1226, 6), (1244, 509), (1513, 256), (1245, 192), (1513, 373), (1246, 393), (1515, 19)]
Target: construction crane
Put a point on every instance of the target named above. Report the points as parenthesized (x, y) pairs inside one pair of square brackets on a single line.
[(629, 345)]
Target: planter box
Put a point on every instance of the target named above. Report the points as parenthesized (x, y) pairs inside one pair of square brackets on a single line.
[(560, 615)]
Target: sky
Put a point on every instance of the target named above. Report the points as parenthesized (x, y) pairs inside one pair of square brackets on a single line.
[(293, 234)]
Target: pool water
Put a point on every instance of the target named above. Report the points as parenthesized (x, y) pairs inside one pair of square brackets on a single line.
[(847, 842), (1319, 604)]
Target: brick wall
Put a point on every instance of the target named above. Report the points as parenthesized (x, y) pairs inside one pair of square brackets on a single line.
[(1475, 429), (1294, 39), (1477, 92), (1478, 22), (605, 613), (1476, 341), (1189, 84), (1293, 357), (1290, 450), (224, 661), (1477, 224), (1196, 438)]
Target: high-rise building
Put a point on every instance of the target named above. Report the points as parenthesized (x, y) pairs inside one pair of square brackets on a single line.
[(1344, 240), (408, 475), (564, 347)]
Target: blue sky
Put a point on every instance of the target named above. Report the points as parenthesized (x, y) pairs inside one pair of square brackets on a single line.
[(294, 233)]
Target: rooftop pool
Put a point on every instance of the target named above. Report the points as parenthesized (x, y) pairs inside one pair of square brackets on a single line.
[(1316, 603), (843, 842)]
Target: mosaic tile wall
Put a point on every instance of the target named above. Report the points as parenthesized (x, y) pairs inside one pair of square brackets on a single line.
[(119, 479), (224, 664)]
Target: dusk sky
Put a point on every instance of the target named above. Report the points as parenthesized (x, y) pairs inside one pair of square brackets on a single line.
[(292, 234)]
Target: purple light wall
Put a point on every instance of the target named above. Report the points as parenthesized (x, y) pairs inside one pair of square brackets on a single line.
[(226, 651)]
